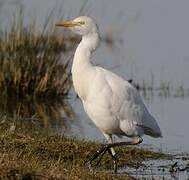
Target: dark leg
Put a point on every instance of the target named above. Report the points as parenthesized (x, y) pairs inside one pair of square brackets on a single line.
[(101, 152), (107, 147)]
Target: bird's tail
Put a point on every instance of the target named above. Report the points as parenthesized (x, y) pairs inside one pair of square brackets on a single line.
[(151, 132)]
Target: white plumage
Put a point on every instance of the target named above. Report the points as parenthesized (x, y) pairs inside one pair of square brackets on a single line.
[(111, 102)]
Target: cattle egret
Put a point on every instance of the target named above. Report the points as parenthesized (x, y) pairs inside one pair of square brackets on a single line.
[(112, 103)]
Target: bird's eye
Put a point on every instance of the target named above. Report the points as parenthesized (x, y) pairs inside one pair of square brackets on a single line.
[(81, 22)]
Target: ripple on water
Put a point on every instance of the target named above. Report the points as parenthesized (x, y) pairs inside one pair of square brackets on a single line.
[(178, 168)]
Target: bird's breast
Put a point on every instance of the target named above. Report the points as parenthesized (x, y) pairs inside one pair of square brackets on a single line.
[(80, 87), (82, 82)]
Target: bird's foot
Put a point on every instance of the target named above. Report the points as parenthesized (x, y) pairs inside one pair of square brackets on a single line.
[(115, 164), (89, 165), (99, 154), (114, 158)]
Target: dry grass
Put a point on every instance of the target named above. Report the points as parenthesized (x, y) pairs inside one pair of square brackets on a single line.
[(26, 153), (34, 63)]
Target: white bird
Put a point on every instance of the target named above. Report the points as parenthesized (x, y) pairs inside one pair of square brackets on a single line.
[(112, 103)]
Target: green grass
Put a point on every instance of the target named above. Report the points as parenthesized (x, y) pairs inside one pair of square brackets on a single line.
[(26, 153)]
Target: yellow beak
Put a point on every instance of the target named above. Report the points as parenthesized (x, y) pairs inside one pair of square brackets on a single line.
[(69, 23)]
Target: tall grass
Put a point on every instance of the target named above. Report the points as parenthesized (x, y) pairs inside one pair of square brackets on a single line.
[(33, 63)]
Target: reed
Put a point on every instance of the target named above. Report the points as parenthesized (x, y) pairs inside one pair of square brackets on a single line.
[(163, 89), (34, 63)]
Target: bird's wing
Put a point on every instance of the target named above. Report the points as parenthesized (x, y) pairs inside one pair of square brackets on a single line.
[(128, 106)]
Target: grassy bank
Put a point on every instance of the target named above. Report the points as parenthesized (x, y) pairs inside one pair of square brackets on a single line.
[(26, 153)]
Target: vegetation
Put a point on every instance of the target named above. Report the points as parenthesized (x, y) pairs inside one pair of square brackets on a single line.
[(165, 89), (34, 63), (37, 63), (31, 154)]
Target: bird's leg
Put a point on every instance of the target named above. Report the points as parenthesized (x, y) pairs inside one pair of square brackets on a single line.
[(101, 152), (113, 155), (114, 160), (108, 148), (136, 140)]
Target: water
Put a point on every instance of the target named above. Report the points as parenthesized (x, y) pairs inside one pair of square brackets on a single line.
[(151, 39), (167, 111), (160, 169)]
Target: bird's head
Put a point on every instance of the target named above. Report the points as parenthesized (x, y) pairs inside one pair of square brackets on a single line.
[(82, 25)]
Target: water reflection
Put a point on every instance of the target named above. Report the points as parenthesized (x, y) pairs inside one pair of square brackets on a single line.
[(68, 117), (44, 114)]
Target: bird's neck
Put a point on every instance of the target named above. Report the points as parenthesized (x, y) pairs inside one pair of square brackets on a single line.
[(82, 69), (83, 52)]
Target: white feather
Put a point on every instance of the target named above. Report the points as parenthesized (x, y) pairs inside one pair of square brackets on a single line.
[(112, 103)]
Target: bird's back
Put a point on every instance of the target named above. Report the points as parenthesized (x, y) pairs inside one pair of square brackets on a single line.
[(119, 100)]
